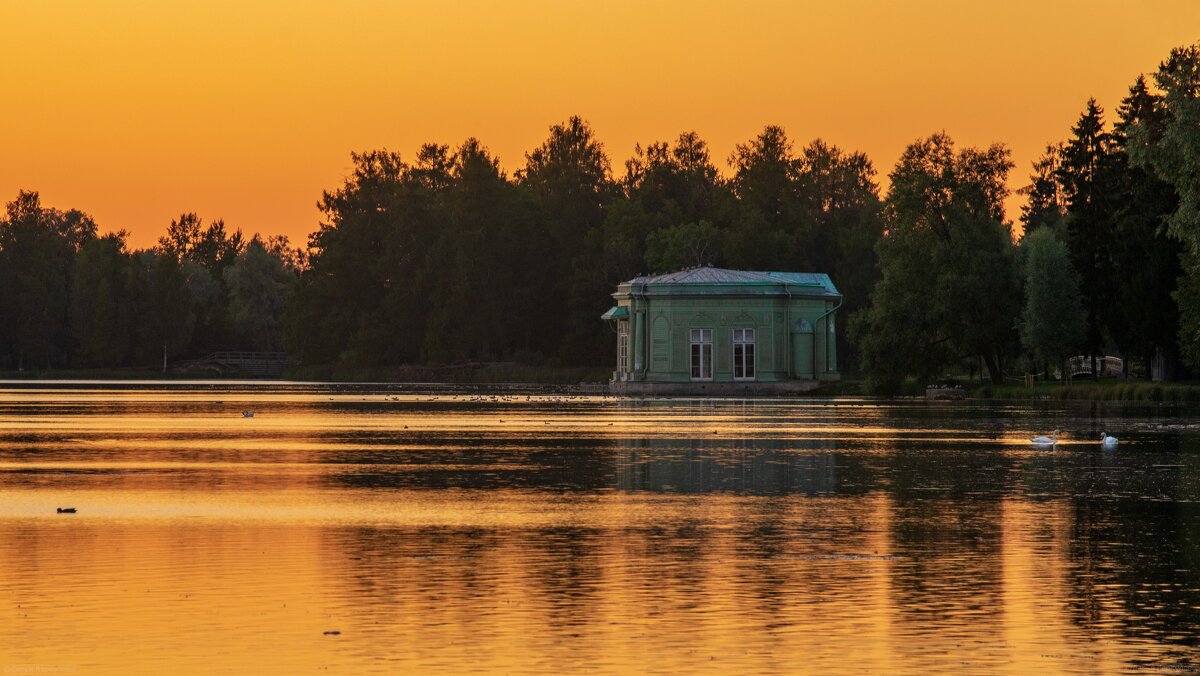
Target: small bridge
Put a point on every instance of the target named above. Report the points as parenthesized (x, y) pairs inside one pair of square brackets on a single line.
[(244, 364), (1107, 366)]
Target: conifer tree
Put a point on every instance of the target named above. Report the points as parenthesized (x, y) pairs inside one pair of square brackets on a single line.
[(1045, 206), (1170, 144), (1146, 259), (1089, 179)]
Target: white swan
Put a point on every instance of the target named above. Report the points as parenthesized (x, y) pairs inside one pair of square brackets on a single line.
[(1045, 441), (1107, 441)]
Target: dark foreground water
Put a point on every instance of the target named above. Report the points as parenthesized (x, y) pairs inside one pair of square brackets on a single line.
[(444, 533)]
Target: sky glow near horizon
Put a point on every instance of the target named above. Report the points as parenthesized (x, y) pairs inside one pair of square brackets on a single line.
[(137, 111)]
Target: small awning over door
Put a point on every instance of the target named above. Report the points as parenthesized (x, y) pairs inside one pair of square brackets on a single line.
[(615, 313)]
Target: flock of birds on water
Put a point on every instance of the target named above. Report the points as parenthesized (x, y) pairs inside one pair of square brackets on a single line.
[(1044, 441)]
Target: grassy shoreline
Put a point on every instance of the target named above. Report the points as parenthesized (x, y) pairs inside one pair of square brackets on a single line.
[(1088, 390)]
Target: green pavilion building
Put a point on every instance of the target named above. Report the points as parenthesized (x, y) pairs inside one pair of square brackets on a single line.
[(714, 331)]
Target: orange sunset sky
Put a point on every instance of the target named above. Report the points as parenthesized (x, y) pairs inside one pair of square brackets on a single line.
[(135, 111)]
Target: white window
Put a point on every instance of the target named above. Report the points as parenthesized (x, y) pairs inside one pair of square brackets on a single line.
[(743, 354), (702, 358), (622, 346)]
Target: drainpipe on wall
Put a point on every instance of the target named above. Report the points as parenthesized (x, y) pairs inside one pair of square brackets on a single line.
[(787, 335), (641, 354), (841, 299)]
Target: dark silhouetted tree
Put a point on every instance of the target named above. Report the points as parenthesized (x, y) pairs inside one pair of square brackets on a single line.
[(569, 177), (1146, 260), (950, 287), (769, 212), (165, 316), (37, 250), (1169, 143), (1090, 177), (843, 221), (1046, 205), (365, 263), (100, 311)]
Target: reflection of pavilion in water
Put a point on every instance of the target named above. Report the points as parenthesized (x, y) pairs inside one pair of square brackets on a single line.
[(745, 465)]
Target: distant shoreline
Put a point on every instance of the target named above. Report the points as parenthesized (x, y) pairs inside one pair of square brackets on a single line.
[(93, 380), (558, 380), (454, 374)]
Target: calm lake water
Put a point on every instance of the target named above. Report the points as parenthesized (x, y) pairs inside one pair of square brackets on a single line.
[(443, 533)]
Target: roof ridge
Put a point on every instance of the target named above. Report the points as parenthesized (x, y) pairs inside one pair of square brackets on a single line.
[(710, 275)]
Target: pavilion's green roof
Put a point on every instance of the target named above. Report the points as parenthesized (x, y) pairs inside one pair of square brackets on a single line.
[(710, 280)]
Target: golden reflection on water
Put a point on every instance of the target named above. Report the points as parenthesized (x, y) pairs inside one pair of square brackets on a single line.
[(580, 534)]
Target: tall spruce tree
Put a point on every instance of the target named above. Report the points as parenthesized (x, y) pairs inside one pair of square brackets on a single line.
[(1045, 206), (1089, 177), (1170, 144), (1146, 259)]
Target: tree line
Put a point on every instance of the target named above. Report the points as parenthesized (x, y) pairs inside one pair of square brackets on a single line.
[(445, 257), (441, 259), (448, 258), (75, 298)]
